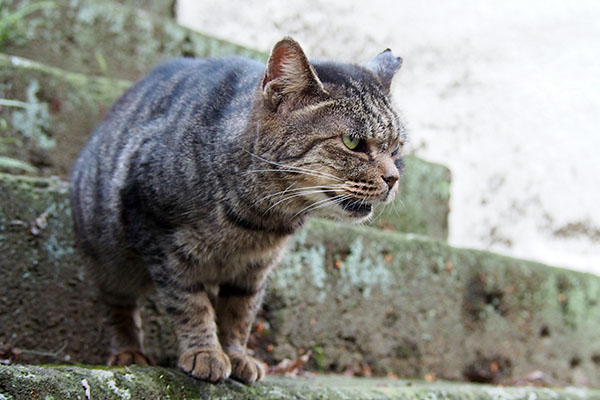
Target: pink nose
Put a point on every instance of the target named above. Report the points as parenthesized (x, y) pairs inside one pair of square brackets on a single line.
[(390, 180)]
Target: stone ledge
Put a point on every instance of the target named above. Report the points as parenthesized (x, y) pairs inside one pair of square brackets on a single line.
[(357, 297), (62, 382)]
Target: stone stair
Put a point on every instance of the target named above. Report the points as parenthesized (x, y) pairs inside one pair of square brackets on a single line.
[(358, 298), (31, 382), (104, 38), (354, 296)]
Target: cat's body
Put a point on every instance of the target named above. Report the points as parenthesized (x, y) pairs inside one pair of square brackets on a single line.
[(201, 173)]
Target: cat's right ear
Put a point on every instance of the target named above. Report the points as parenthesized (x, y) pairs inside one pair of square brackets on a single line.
[(289, 74), (384, 66)]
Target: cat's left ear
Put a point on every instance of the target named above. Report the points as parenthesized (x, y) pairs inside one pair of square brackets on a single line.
[(384, 66), (289, 74)]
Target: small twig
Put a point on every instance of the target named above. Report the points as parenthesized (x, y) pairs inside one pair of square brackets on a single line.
[(45, 353), (13, 103)]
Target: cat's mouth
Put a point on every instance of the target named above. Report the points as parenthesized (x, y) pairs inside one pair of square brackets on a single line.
[(358, 207)]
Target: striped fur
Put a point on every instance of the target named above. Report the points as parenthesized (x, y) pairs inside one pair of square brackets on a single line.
[(203, 170)]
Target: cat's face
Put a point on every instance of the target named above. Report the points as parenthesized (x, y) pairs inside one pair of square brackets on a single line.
[(335, 133)]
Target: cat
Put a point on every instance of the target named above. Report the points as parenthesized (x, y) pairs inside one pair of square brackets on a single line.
[(202, 171)]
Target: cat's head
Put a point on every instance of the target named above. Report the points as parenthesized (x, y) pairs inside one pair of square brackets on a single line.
[(329, 133)]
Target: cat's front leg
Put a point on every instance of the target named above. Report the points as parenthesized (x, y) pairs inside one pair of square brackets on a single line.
[(237, 306), (190, 308)]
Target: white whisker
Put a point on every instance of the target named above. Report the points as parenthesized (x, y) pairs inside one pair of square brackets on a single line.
[(297, 169), (304, 189), (333, 200), (293, 196)]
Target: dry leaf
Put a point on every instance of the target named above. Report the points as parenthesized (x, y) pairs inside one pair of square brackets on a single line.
[(289, 367)]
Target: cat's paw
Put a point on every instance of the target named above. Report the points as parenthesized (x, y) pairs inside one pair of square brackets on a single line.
[(129, 357), (246, 369), (210, 365)]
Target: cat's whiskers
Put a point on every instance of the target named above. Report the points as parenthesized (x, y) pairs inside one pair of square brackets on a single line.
[(292, 167), (373, 218), (323, 203), (333, 187), (296, 171), (398, 200), (293, 196), (277, 193)]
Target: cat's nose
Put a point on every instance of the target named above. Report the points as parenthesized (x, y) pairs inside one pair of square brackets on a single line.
[(390, 180)]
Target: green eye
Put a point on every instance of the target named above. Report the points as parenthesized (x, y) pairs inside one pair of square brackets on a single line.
[(351, 142)]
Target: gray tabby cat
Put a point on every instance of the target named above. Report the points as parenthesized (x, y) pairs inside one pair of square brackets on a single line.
[(202, 171)]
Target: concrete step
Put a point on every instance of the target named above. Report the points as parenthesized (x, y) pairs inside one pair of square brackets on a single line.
[(101, 37), (356, 297), (59, 109), (27, 382)]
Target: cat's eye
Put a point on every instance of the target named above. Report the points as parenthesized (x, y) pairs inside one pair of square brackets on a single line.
[(351, 142)]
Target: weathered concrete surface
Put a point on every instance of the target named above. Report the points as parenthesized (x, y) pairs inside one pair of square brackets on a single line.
[(61, 382), (54, 113), (164, 8), (60, 109), (101, 37), (46, 302), (413, 305), (354, 296)]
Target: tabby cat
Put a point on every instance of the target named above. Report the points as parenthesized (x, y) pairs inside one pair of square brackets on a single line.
[(202, 171)]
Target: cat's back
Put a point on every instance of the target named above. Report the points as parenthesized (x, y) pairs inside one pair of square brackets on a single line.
[(182, 109), (194, 88), (179, 101)]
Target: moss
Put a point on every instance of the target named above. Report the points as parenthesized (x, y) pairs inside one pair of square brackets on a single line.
[(33, 120), (138, 382)]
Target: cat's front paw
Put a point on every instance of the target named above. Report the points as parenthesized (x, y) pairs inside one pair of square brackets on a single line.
[(210, 365), (245, 368), (129, 357)]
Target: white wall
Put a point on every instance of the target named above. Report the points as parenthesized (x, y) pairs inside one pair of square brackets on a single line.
[(507, 94)]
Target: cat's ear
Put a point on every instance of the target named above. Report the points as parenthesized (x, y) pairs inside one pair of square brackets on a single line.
[(384, 66), (289, 73)]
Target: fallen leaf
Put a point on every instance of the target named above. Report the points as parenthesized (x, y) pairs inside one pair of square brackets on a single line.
[(289, 367)]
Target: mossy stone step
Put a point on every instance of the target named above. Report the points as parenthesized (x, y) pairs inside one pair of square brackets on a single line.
[(62, 382), (53, 114), (101, 37), (356, 297), (58, 110)]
